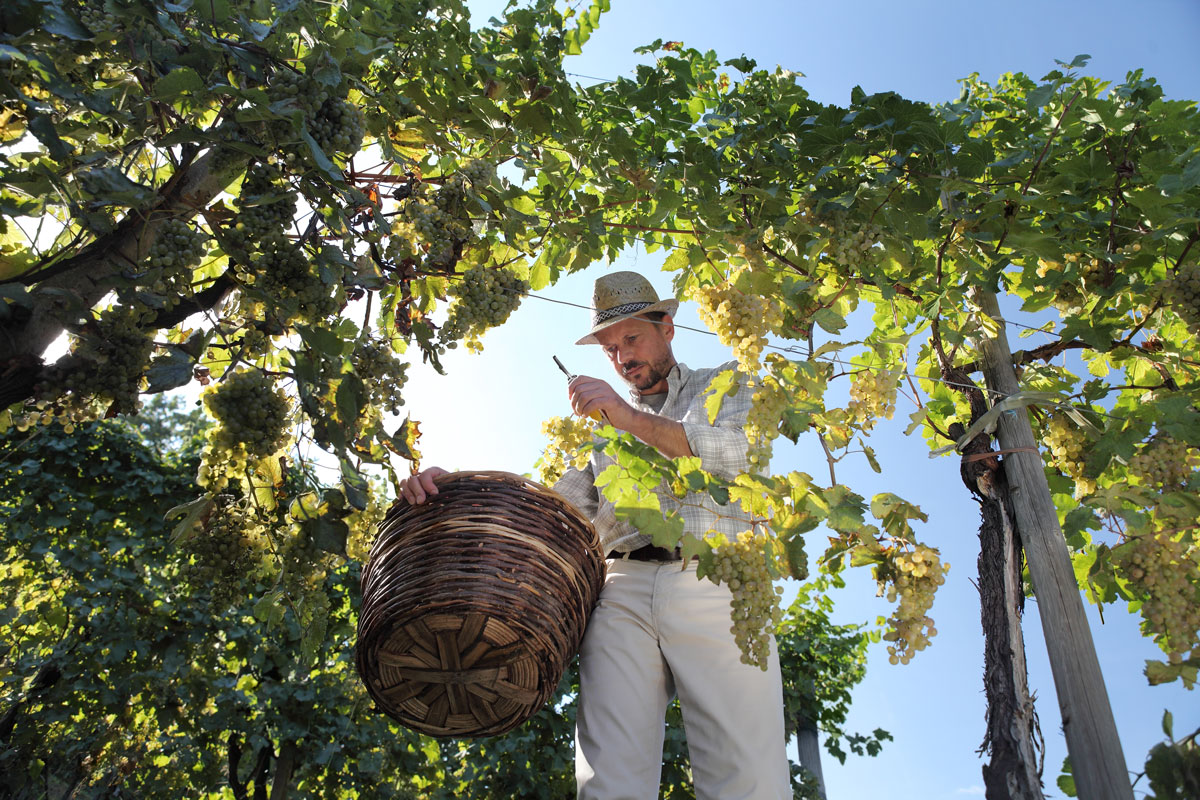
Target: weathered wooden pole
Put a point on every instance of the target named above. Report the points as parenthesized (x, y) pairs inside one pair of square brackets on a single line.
[(1097, 761)]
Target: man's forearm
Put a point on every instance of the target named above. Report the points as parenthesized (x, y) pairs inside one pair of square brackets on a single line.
[(665, 435)]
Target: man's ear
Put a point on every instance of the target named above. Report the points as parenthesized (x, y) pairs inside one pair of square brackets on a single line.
[(668, 327)]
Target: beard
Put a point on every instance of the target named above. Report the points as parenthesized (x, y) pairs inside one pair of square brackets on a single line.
[(654, 373)]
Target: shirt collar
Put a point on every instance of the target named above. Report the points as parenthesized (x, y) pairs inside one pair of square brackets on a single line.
[(676, 379)]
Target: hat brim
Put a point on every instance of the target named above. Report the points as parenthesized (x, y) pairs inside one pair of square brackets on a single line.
[(669, 307)]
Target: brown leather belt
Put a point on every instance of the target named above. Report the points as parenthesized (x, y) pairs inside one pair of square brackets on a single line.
[(649, 553)]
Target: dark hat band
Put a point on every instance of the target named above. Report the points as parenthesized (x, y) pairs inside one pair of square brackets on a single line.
[(616, 311)]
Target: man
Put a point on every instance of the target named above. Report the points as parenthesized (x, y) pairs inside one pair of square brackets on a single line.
[(658, 631)]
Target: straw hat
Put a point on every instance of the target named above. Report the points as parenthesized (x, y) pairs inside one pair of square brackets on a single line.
[(621, 295)]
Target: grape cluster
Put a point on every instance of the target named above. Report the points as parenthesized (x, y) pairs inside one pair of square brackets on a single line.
[(364, 524), (225, 551), (741, 321), (177, 249), (290, 87), (751, 253), (283, 273), (339, 127), (741, 565), (96, 17), (1165, 570), (431, 230), (1183, 292), (253, 421), (381, 372), (265, 207), (255, 343), (768, 402), (912, 578), (854, 246), (302, 565), (251, 411), (1165, 463), (483, 299), (110, 356), (336, 125), (873, 395), (1068, 446), (567, 435), (478, 173)]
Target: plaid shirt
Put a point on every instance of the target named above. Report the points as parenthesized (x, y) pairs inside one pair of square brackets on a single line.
[(721, 448)]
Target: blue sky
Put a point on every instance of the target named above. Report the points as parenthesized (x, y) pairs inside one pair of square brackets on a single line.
[(487, 412)]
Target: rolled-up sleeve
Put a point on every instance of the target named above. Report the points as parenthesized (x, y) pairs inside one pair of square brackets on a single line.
[(722, 445)]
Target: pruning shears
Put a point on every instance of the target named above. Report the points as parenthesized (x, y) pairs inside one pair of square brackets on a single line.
[(599, 416)]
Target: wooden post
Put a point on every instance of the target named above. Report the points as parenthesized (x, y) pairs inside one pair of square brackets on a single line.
[(1097, 762)]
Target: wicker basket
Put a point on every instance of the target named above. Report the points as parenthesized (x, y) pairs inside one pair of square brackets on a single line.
[(473, 602)]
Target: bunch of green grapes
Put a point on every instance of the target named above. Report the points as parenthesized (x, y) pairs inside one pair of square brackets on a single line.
[(741, 321), (1183, 293), (873, 395), (254, 342), (381, 372), (768, 402), (478, 173), (1165, 463), (302, 564), (741, 565), (1164, 569), (364, 525), (225, 552), (294, 88), (338, 127), (266, 206), (854, 245), (1068, 446), (912, 578), (109, 358), (251, 411), (253, 419), (431, 230), (482, 298), (282, 272), (178, 248), (751, 253), (567, 436), (97, 18)]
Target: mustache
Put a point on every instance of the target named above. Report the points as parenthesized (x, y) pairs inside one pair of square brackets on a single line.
[(630, 366)]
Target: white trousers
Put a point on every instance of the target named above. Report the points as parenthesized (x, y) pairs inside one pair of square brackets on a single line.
[(658, 631)]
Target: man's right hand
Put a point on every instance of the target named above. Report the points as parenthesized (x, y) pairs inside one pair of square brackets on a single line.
[(420, 487)]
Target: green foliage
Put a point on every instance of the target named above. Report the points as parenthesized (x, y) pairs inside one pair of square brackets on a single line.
[(123, 123), (1173, 766), (116, 674), (821, 664)]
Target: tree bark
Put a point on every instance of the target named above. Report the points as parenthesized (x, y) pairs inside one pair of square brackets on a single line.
[(1013, 736), (1093, 744), (282, 779), (808, 747)]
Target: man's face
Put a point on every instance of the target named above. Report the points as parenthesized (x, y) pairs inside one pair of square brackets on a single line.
[(640, 352)]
